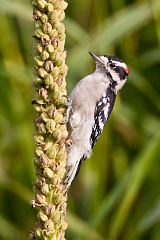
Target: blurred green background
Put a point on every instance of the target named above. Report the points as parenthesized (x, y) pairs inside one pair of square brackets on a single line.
[(116, 196)]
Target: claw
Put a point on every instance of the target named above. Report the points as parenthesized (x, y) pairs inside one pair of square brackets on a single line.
[(68, 142)]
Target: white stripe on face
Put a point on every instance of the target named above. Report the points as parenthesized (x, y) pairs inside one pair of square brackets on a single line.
[(120, 64)]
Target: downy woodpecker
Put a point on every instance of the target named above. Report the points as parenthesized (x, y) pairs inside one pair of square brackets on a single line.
[(90, 105)]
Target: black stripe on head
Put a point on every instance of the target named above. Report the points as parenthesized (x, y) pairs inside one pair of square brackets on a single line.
[(113, 58), (121, 71)]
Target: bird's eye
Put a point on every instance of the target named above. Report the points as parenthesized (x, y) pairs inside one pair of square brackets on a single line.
[(112, 65)]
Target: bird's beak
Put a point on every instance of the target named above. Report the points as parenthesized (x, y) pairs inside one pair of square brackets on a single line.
[(95, 57)]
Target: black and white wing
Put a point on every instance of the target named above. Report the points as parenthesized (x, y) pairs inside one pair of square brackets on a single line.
[(102, 112)]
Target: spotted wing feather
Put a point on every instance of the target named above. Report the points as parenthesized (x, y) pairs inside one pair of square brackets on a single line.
[(102, 112)]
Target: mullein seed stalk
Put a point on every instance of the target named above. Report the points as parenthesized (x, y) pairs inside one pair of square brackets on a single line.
[(50, 131)]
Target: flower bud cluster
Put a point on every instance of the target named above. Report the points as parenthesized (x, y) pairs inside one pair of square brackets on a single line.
[(50, 103)]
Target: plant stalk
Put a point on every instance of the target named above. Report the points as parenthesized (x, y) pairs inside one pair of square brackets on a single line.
[(50, 104)]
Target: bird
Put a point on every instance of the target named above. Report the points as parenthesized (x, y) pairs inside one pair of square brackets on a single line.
[(89, 107)]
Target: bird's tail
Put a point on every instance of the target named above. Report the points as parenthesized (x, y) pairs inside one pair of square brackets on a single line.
[(74, 161)]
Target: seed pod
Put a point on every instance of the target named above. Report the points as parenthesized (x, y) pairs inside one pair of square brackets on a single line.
[(50, 48), (38, 61), (44, 55), (49, 66), (38, 33), (40, 198), (42, 216), (41, 4), (45, 189), (49, 225), (49, 80), (39, 151), (51, 126), (45, 39), (44, 18), (47, 27), (57, 198), (42, 73), (39, 139), (49, 7), (48, 173), (41, 128), (44, 116)]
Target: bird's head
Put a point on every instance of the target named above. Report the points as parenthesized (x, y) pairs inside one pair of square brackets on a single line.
[(113, 68)]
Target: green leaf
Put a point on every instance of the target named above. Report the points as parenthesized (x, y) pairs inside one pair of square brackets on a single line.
[(150, 218), (114, 29), (16, 8), (137, 177)]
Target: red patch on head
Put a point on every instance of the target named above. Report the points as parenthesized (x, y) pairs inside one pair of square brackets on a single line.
[(127, 70)]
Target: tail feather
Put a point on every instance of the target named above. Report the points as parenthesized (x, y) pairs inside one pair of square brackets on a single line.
[(74, 161)]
